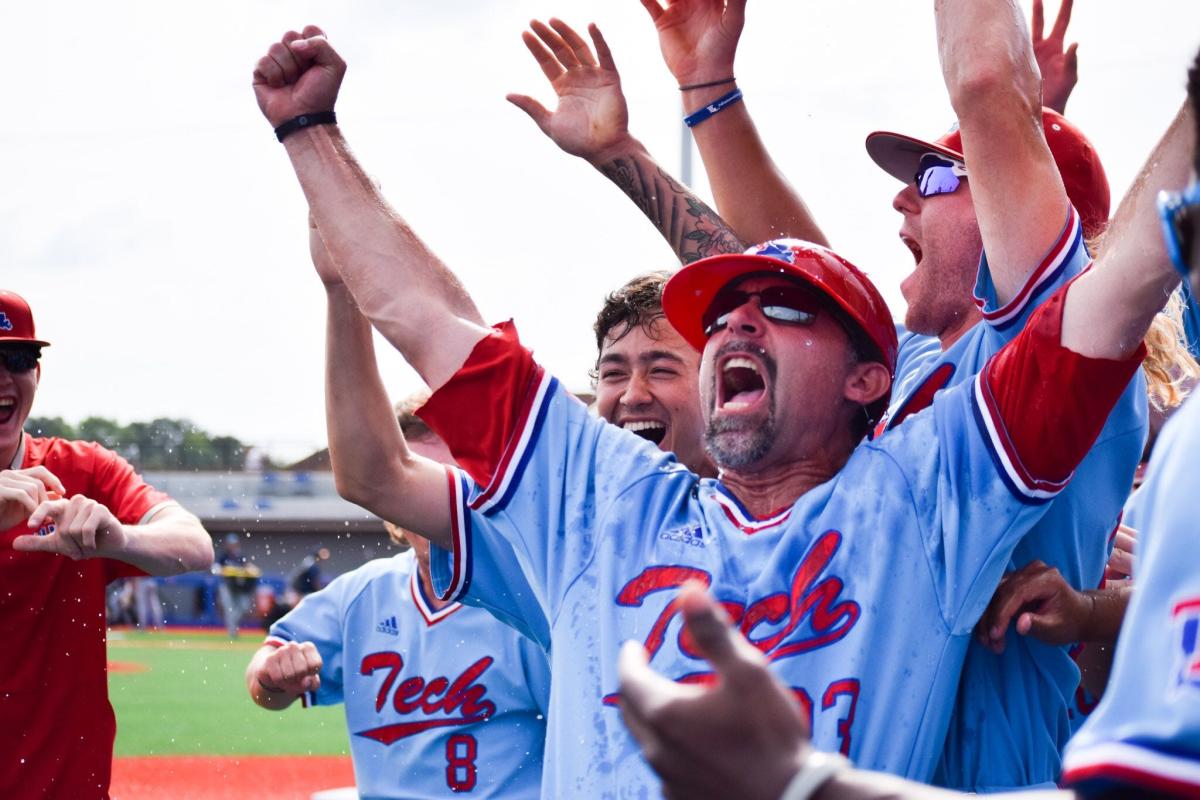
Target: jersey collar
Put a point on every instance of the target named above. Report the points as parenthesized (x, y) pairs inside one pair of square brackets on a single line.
[(430, 616)]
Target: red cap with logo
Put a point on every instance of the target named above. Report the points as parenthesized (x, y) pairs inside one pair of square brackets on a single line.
[(690, 292), (16, 321), (1078, 163)]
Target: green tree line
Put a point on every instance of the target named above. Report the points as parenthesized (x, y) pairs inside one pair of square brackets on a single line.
[(161, 444)]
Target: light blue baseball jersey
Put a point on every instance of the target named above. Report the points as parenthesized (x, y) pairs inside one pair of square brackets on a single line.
[(1145, 735), (438, 703), (1014, 710), (862, 594)]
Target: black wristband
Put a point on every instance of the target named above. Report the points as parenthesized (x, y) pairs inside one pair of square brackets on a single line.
[(305, 121), (730, 79)]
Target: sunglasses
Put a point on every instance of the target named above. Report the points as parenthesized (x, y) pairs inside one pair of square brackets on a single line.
[(1179, 213), (938, 175), (17, 361), (792, 305)]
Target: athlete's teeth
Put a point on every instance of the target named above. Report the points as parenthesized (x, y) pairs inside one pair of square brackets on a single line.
[(643, 425), (743, 363)]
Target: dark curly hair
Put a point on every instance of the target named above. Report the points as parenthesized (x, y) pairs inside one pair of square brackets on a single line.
[(637, 303)]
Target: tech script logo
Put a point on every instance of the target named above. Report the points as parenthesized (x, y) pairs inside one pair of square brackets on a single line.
[(437, 703), (775, 624)]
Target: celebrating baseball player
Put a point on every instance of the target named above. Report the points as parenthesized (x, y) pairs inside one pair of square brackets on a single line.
[(439, 697), (984, 261), (73, 517), (809, 530), (1143, 741)]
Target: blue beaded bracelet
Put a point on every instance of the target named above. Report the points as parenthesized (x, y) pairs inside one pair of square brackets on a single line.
[(715, 107)]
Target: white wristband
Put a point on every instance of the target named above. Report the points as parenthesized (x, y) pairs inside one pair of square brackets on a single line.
[(818, 768)]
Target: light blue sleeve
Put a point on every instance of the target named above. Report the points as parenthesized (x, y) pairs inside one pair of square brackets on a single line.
[(1066, 258), (319, 619), (496, 581), (1145, 734), (565, 470)]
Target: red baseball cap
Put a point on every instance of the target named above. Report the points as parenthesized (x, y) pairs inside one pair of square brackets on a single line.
[(1078, 163), (16, 321), (690, 292)]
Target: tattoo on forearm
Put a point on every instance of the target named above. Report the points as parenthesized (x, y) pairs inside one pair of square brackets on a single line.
[(693, 230)]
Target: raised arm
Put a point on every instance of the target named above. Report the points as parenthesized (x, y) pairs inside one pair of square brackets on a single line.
[(372, 465), (995, 89), (592, 122), (400, 285), (1111, 306), (1056, 61), (699, 41)]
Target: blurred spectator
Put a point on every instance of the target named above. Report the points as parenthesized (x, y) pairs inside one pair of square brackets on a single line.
[(146, 602), (239, 581), (308, 578)]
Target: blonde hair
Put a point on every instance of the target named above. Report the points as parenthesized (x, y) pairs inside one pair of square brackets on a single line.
[(1168, 365)]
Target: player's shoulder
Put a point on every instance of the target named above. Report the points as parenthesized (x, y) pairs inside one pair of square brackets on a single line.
[(52, 450), (1172, 474), (1180, 437)]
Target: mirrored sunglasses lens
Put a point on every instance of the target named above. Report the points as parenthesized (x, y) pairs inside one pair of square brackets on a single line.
[(788, 314), (936, 180)]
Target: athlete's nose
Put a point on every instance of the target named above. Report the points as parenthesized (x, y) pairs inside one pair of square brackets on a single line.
[(906, 200), (637, 392), (747, 319)]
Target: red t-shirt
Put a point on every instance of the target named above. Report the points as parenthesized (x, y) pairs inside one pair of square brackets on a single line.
[(56, 724)]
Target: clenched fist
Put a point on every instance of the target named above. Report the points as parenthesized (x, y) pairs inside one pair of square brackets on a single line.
[(293, 668), (300, 74)]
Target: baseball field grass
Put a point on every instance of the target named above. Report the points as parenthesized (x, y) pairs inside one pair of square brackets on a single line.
[(184, 694), (187, 729)]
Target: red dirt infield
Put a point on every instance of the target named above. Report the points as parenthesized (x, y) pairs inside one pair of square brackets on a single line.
[(228, 777), (126, 667)]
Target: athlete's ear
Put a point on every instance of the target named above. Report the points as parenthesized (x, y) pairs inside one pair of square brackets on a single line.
[(867, 382)]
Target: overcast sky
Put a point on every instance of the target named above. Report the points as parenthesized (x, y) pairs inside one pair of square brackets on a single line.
[(155, 225)]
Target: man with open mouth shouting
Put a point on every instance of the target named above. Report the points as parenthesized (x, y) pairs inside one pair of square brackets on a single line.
[(804, 536)]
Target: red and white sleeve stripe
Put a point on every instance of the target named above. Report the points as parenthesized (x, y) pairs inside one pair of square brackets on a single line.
[(460, 538), (1068, 240), (1041, 406), (1130, 765), (487, 413)]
